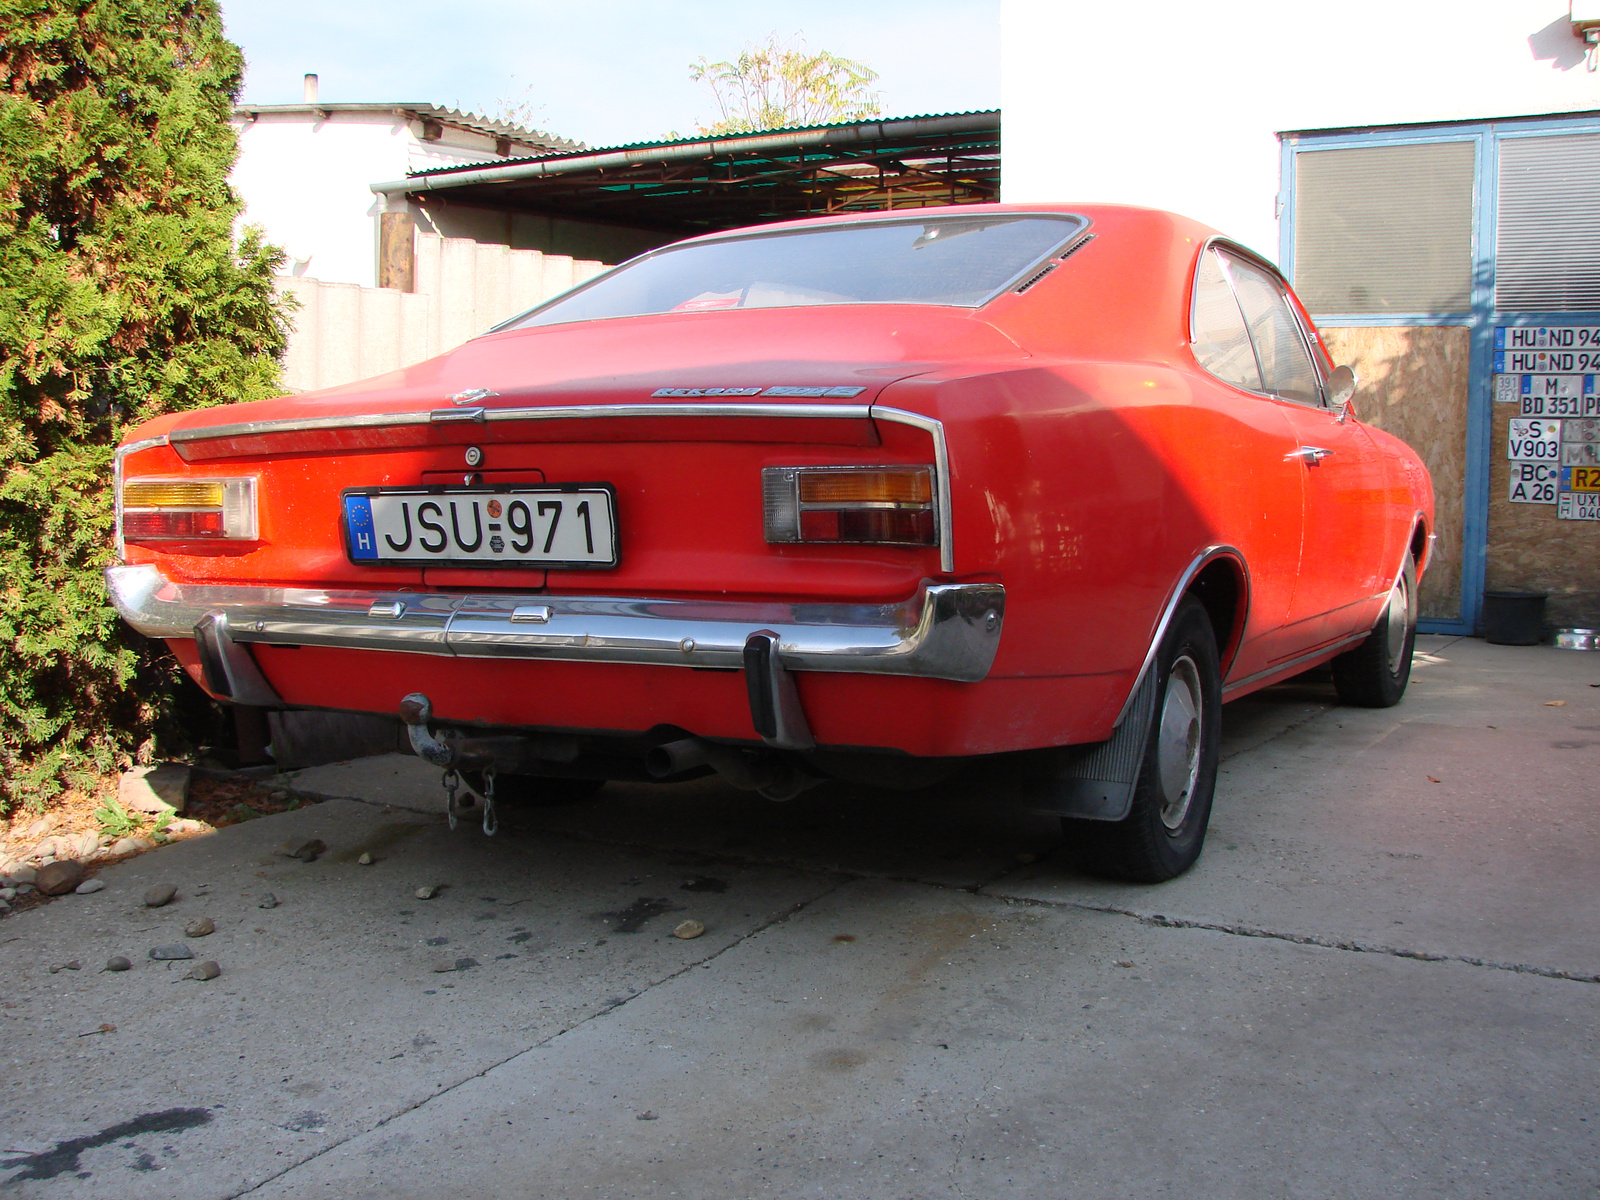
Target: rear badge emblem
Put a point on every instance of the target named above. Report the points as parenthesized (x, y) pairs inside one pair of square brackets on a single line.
[(474, 456)]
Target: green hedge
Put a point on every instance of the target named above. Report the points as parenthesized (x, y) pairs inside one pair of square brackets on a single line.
[(124, 294)]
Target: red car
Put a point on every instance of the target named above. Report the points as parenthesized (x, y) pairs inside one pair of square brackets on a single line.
[(866, 498)]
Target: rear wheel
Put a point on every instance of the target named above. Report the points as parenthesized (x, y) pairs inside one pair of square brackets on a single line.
[(1166, 824), (1375, 673)]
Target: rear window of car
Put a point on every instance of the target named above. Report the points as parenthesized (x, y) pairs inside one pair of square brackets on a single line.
[(949, 260)]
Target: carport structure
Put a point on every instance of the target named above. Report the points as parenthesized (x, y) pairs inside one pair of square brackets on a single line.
[(664, 191)]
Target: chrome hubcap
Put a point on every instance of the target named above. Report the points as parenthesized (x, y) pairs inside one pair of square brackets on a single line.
[(1398, 622), (1178, 741)]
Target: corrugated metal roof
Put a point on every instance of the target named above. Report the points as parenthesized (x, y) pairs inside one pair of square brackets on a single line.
[(634, 147)]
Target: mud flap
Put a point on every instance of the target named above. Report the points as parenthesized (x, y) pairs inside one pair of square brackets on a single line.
[(1095, 783)]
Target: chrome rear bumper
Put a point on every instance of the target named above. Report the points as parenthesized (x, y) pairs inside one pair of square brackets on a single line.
[(944, 631)]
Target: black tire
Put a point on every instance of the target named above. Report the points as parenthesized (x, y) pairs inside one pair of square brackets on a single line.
[(1375, 673), (1162, 834), (541, 791)]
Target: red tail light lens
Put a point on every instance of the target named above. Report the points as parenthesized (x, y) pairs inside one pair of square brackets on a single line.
[(872, 505)]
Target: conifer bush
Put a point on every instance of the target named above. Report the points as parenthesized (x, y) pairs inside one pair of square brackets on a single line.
[(124, 293)]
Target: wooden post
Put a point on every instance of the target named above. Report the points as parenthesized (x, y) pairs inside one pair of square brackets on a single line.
[(397, 251)]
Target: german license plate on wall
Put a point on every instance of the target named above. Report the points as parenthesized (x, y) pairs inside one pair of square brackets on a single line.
[(570, 526)]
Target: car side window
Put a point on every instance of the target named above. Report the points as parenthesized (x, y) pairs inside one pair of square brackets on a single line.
[(1286, 367), (1221, 341)]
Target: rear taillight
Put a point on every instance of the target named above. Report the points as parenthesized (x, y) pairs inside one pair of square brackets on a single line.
[(187, 509), (889, 505)]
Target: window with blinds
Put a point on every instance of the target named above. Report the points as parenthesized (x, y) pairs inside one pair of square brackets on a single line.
[(1547, 252), (1385, 229)]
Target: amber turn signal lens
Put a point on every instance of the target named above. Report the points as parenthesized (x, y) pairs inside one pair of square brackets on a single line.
[(172, 493), (866, 487)]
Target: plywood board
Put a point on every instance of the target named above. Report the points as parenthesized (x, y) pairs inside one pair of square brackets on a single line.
[(1413, 384)]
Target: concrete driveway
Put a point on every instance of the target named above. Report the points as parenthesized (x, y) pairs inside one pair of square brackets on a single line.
[(1382, 979)]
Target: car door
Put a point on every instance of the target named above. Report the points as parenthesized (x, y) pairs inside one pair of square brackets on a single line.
[(1342, 546), (1263, 480)]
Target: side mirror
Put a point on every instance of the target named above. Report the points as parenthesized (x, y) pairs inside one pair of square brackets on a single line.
[(1341, 392)]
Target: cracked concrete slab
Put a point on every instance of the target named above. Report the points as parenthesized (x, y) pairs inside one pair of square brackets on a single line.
[(958, 1045), (888, 1001)]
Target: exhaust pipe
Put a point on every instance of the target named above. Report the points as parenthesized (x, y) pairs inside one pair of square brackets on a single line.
[(672, 758), (777, 777)]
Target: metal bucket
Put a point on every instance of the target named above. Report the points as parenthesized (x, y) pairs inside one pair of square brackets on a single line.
[(1513, 618), (1577, 639)]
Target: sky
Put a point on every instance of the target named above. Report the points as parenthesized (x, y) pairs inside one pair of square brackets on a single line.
[(604, 72)]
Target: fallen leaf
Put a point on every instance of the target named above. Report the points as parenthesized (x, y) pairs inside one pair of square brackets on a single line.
[(1431, 779)]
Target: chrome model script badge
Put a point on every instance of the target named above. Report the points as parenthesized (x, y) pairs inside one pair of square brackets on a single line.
[(472, 396)]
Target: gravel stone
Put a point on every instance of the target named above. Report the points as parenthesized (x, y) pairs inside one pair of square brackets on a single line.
[(8, 893), (199, 928), (366, 859), (131, 845), (167, 953), (89, 887), (21, 874), (85, 844), (426, 893), (268, 901), (25, 889), (205, 970), (688, 929), (117, 963), (59, 878), (306, 850), (160, 895)]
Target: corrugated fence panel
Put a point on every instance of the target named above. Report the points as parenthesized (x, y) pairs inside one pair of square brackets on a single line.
[(1548, 245), (1385, 229)]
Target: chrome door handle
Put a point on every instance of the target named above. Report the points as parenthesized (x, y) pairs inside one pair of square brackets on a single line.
[(1310, 455)]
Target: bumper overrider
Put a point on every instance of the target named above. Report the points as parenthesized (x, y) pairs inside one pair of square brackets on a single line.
[(943, 631)]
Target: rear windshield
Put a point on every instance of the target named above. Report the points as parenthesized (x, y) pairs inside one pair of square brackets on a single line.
[(948, 260)]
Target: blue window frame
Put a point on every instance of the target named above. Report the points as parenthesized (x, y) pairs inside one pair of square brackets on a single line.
[(1482, 319)]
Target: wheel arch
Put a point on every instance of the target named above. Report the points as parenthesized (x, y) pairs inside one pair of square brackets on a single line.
[(1218, 578)]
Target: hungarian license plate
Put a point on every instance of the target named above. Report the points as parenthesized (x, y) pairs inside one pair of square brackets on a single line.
[(570, 526)]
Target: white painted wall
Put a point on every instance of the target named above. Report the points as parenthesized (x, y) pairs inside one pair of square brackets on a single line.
[(307, 182), (1176, 103)]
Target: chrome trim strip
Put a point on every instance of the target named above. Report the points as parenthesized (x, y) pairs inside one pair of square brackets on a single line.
[(1327, 651), (116, 480), (944, 631), (856, 412), (1205, 556), (941, 472)]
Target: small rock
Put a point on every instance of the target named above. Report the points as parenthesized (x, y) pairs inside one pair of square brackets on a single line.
[(647, 1115), (200, 928), (5, 906), (131, 845), (205, 970), (20, 874), (89, 887), (167, 953), (306, 850), (268, 901), (160, 895), (8, 893), (59, 878), (184, 825), (158, 789), (105, 839), (688, 929), (1123, 962), (117, 963), (40, 827), (366, 859), (24, 889), (441, 964), (426, 893), (85, 844), (74, 965)]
